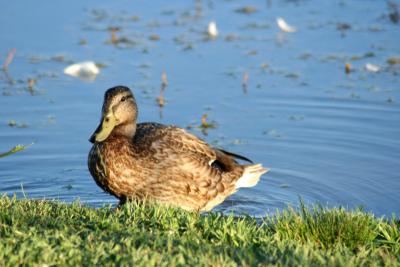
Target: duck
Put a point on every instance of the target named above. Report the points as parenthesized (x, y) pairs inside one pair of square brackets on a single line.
[(161, 163)]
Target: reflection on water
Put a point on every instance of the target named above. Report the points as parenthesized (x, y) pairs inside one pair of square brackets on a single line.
[(283, 99)]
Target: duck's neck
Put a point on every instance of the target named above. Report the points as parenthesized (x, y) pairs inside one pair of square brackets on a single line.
[(128, 130)]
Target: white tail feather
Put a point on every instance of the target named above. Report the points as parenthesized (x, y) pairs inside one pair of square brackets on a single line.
[(251, 175)]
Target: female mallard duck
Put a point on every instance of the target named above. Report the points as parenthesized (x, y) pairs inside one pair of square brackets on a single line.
[(161, 163)]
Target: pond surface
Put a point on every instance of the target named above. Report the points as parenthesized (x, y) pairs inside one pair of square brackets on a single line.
[(281, 99)]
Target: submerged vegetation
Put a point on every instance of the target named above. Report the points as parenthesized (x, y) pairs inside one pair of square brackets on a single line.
[(52, 233)]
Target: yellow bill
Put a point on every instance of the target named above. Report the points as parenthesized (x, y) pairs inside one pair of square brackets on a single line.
[(105, 128)]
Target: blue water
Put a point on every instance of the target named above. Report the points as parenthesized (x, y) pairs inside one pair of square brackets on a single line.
[(328, 137)]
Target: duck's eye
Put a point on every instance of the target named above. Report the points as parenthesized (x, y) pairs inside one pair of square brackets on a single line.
[(123, 98)]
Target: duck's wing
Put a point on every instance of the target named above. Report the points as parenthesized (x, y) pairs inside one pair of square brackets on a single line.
[(172, 143), (186, 169), (173, 146)]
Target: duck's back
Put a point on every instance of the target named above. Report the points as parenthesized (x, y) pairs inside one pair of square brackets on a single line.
[(155, 138)]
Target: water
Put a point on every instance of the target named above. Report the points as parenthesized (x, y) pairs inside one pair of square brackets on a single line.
[(328, 137)]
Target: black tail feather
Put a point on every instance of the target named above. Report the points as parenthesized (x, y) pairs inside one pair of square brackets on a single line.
[(236, 156)]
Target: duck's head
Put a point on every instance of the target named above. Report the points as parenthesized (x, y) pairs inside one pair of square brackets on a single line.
[(119, 114)]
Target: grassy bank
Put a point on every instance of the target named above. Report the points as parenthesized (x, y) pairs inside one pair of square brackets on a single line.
[(50, 233)]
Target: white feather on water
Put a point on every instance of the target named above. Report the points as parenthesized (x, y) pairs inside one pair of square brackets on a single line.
[(212, 29), (284, 26), (372, 67), (84, 70)]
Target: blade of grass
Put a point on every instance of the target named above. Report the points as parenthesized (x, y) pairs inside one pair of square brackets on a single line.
[(15, 149)]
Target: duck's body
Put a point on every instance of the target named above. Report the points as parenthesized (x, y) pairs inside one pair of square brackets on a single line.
[(163, 163)]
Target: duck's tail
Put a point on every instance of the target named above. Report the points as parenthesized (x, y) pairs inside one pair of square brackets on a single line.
[(251, 175)]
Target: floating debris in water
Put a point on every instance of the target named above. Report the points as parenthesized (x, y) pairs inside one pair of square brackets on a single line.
[(264, 66), (160, 100), (188, 47), (83, 41), (252, 53), (393, 61), (212, 30), (292, 75), (164, 79), (144, 66), (347, 68), (86, 70), (34, 59), (343, 26), (15, 149), (365, 55), (246, 10), (394, 12), (31, 85), (58, 58), (305, 56), (375, 28), (120, 42), (273, 133), (135, 18), (13, 123), (390, 99), (113, 31), (296, 117), (51, 120), (164, 83), (255, 26), (205, 124), (9, 58), (372, 67), (245, 81), (154, 37), (68, 187), (284, 26), (231, 37)]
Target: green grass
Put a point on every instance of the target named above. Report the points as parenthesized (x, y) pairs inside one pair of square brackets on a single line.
[(51, 233)]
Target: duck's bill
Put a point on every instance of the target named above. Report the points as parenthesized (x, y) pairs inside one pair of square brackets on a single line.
[(104, 129)]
